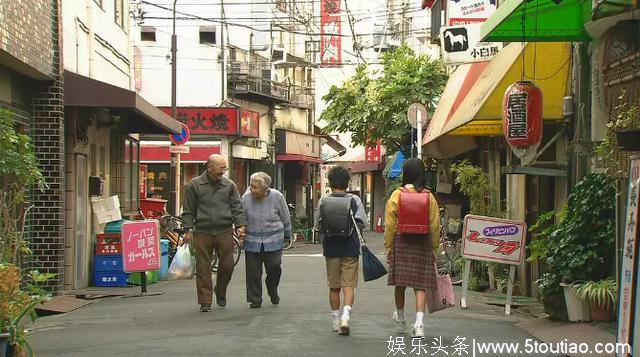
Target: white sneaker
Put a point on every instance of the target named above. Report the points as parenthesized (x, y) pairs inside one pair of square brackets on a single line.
[(336, 324), (344, 327), (417, 331), (401, 325)]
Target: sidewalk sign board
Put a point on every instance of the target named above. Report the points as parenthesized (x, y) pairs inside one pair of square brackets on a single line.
[(141, 248), (628, 274), (493, 240)]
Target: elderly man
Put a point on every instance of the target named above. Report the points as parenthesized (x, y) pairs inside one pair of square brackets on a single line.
[(212, 206), (268, 223)]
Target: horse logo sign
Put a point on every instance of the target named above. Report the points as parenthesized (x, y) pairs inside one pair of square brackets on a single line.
[(461, 44), (456, 39)]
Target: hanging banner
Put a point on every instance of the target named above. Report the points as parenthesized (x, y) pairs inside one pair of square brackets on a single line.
[(628, 275), (330, 34), (372, 153), (462, 12), (325, 189), (461, 44)]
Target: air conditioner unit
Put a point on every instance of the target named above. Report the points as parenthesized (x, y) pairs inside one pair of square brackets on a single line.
[(278, 55)]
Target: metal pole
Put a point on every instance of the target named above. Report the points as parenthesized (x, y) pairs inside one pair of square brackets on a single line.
[(175, 158), (419, 134), (222, 66)]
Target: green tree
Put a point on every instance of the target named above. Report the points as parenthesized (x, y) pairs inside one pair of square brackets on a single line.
[(373, 105)]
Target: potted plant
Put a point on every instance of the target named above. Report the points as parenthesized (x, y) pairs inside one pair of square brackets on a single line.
[(19, 291), (576, 245), (600, 295)]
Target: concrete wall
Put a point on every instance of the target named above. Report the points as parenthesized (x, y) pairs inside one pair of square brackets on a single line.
[(95, 45)]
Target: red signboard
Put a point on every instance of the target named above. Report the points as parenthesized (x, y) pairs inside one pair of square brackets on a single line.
[(143, 181), (140, 246), (372, 153), (208, 120), (162, 154), (249, 123), (330, 33)]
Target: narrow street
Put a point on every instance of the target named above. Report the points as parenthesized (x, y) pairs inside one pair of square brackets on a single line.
[(171, 325)]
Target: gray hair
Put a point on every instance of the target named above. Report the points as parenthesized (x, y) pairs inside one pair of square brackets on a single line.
[(261, 178)]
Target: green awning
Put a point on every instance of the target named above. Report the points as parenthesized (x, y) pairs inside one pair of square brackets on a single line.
[(544, 21)]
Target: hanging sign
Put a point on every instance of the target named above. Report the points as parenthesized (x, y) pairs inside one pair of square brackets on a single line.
[(140, 246), (461, 44), (522, 119), (330, 33), (628, 275), (372, 152), (461, 12)]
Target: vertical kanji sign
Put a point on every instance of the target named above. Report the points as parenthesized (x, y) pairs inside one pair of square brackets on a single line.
[(140, 246), (629, 271), (373, 152), (330, 33)]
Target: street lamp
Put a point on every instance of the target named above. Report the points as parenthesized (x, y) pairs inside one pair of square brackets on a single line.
[(175, 158)]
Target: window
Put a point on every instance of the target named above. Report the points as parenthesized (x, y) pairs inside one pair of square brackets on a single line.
[(148, 34), (208, 35), (125, 172), (119, 12)]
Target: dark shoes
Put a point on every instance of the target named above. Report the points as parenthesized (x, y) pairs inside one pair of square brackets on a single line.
[(221, 300), (255, 305), (275, 299), (205, 307)]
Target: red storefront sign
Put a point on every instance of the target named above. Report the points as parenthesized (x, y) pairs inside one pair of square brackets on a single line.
[(143, 181), (330, 33), (522, 117), (372, 154), (249, 123), (211, 121), (162, 154)]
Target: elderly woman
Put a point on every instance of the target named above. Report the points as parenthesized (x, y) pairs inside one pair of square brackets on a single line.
[(268, 223)]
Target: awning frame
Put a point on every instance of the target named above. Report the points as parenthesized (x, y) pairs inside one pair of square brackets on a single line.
[(81, 91)]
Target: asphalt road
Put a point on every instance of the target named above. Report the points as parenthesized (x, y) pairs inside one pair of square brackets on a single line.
[(171, 325)]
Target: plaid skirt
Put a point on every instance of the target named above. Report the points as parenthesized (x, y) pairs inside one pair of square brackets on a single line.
[(411, 263)]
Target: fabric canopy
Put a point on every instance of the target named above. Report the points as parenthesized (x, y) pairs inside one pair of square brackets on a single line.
[(544, 21), (471, 103)]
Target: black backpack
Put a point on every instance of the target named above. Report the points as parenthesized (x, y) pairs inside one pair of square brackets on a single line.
[(335, 216)]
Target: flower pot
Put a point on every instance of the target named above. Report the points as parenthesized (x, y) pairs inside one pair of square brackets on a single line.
[(628, 140), (4, 344), (576, 309), (599, 313)]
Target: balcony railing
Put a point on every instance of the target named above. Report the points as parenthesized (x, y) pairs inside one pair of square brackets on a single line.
[(253, 79), (302, 97)]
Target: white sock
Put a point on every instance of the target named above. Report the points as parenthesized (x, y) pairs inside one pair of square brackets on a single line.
[(419, 319), (346, 312), (335, 314), (400, 314)]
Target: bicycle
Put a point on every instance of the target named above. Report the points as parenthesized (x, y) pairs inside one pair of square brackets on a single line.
[(237, 251), (449, 257), (171, 227), (309, 235)]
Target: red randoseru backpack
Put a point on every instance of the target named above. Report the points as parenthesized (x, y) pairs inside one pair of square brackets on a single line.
[(413, 212)]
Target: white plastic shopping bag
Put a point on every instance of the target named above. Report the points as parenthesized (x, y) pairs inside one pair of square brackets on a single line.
[(181, 267)]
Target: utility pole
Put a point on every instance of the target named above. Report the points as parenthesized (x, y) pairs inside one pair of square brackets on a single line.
[(222, 50), (175, 158)]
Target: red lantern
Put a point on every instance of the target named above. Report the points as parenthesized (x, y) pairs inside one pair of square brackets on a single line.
[(522, 117)]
